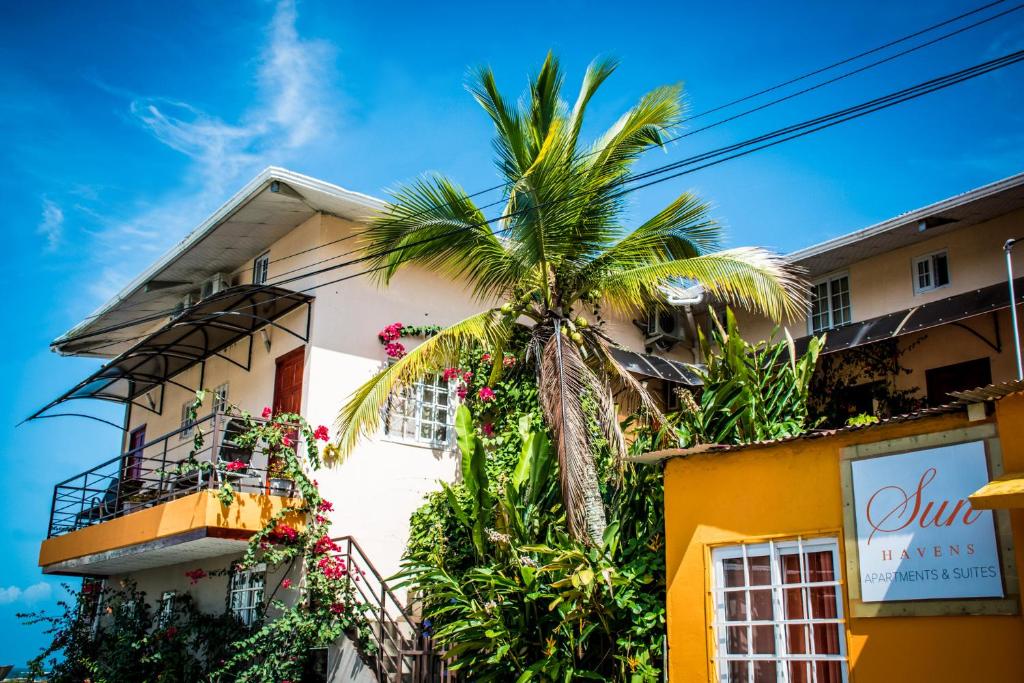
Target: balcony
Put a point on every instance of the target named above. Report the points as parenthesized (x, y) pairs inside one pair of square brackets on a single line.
[(155, 505)]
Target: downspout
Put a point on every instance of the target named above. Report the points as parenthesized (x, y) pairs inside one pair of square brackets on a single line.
[(1008, 250)]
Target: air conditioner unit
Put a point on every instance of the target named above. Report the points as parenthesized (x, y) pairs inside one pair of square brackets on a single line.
[(215, 284), (664, 330), (185, 302)]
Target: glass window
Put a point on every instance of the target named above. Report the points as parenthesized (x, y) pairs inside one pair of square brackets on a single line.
[(830, 304), (931, 272), (421, 412), (778, 612), (186, 421), (260, 268), (245, 593), (166, 608), (220, 398)]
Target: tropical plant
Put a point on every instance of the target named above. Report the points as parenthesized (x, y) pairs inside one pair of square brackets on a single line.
[(531, 603), (750, 391), (561, 248)]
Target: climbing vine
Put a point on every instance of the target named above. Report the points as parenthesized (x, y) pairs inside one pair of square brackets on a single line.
[(310, 611)]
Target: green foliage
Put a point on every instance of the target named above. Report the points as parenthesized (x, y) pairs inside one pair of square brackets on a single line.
[(751, 392), (127, 644), (862, 420), (526, 602), (125, 641), (863, 379)]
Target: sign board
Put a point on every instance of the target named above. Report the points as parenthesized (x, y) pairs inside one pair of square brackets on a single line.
[(918, 538)]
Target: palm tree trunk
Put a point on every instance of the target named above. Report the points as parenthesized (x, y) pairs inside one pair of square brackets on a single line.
[(565, 381)]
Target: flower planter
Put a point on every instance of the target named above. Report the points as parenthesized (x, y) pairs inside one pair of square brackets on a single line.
[(280, 487)]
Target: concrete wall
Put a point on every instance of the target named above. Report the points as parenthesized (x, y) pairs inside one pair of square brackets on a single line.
[(792, 489)]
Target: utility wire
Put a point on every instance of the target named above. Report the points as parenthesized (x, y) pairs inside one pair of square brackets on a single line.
[(697, 162), (701, 114)]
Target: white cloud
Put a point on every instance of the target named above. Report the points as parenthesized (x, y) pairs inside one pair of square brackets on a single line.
[(34, 593), (52, 225), (292, 114)]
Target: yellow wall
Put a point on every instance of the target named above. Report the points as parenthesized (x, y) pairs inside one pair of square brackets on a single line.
[(794, 489), (248, 513)]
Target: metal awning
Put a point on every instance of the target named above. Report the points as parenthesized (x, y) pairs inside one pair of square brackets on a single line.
[(952, 309), (188, 339), (652, 366)]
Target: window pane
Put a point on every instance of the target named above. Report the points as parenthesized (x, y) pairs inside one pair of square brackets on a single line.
[(924, 274), (764, 639), (829, 672), (799, 672), (737, 671), (733, 569), (765, 672), (840, 301), (736, 640), (826, 639), (736, 606), (761, 605), (941, 268), (760, 570)]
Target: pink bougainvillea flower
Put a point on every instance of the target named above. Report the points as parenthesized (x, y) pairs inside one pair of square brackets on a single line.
[(508, 361), (283, 533), (325, 545), (320, 519), (485, 394), (325, 506), (461, 392), (338, 608), (286, 441), (451, 373), (267, 412), (235, 466), (194, 575), (394, 349), (332, 568), (488, 430), (321, 433), (171, 632), (486, 358), (287, 583)]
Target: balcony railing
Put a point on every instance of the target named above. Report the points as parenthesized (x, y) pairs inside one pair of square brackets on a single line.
[(160, 471)]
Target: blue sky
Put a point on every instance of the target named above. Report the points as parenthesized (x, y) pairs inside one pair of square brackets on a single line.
[(125, 125)]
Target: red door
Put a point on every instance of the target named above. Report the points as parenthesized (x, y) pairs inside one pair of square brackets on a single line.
[(133, 456), (288, 391), (288, 382)]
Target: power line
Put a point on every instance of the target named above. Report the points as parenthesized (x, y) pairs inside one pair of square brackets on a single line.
[(698, 162), (701, 114)]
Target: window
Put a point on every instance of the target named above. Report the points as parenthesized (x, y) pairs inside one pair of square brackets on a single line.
[(421, 413), (830, 304), (186, 420), (969, 374), (220, 398), (931, 272), (166, 613), (260, 268), (779, 612), (245, 593)]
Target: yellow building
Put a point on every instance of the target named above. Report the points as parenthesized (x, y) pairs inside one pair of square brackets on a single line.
[(863, 554)]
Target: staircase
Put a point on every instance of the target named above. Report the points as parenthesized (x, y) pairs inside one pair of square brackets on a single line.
[(403, 654)]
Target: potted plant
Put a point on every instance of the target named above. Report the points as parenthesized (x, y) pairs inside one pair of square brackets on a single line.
[(278, 482)]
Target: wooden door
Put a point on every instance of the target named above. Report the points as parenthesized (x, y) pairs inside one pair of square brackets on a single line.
[(133, 456), (288, 382)]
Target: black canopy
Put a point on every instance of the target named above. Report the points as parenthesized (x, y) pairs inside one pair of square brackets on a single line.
[(186, 340)]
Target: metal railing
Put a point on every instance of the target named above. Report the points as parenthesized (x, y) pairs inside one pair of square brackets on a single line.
[(402, 652), (162, 470)]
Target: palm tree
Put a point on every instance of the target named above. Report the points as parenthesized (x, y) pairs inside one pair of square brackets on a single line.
[(559, 248)]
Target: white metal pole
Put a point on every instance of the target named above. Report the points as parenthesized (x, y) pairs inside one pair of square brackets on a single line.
[(1008, 250)]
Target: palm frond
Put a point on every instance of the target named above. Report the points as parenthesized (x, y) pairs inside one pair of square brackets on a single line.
[(361, 415), (749, 277), (564, 382), (434, 223)]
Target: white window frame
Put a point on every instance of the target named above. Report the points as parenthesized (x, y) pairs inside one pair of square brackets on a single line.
[(774, 550), (186, 425), (829, 283), (220, 397), (246, 590), (166, 612), (415, 398), (930, 260), (261, 268)]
